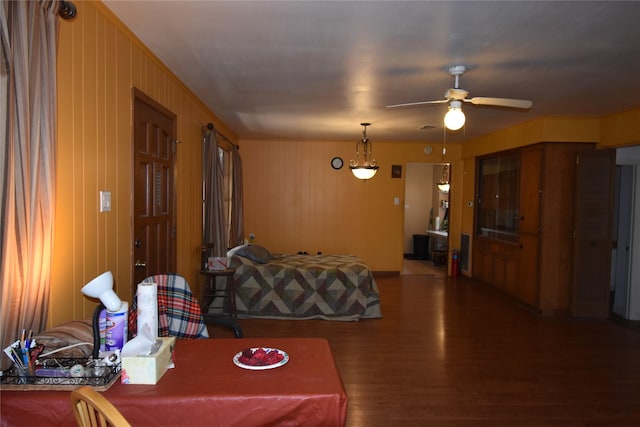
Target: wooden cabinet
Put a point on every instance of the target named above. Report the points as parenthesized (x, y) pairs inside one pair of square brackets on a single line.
[(534, 263)]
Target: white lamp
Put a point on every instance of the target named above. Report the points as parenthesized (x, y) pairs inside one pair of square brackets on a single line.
[(102, 288), (454, 119), (364, 167)]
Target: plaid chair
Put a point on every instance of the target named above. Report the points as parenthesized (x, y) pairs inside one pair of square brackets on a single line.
[(179, 314)]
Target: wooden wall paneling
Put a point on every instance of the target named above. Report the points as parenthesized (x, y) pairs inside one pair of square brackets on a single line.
[(113, 152), (121, 123), (63, 296), (557, 224), (92, 163), (99, 62)]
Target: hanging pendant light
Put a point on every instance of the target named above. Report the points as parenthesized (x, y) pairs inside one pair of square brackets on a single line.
[(364, 167), (443, 184), (454, 119)]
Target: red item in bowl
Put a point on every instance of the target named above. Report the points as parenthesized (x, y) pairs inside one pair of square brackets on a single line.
[(260, 357)]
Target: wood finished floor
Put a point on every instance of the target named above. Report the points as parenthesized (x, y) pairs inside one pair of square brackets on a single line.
[(453, 352)]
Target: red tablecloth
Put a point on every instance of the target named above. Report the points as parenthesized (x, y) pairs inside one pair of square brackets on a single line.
[(206, 388)]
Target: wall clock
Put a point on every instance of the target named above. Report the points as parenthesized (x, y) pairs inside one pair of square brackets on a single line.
[(428, 150), (337, 163)]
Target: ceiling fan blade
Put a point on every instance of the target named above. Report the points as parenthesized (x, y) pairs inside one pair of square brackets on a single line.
[(410, 104), (501, 102)]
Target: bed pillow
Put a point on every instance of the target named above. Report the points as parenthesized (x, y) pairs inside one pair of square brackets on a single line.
[(231, 252), (255, 253), (68, 333)]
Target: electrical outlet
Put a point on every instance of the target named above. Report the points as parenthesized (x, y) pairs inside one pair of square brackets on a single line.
[(105, 201)]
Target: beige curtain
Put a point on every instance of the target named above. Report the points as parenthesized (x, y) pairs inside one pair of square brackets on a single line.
[(27, 156), (214, 232), (237, 214)]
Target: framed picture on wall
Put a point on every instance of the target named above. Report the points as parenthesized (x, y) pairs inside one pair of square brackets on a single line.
[(396, 171)]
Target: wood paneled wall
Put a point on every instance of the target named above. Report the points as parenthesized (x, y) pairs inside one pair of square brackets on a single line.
[(294, 200), (99, 63)]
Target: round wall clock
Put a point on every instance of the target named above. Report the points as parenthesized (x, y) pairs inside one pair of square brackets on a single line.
[(336, 163), (428, 149)]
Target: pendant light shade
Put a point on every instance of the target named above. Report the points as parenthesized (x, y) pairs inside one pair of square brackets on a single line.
[(454, 119), (443, 184), (364, 167)]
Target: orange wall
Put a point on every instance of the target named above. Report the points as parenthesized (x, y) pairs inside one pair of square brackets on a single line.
[(295, 201), (99, 63)]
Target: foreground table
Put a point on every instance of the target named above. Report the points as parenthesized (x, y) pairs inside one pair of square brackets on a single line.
[(206, 388)]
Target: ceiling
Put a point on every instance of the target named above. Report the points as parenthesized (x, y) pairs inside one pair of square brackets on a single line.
[(314, 70)]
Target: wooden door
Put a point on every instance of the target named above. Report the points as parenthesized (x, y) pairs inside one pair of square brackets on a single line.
[(592, 243), (154, 213)]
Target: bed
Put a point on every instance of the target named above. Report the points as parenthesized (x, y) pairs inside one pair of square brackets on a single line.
[(283, 286)]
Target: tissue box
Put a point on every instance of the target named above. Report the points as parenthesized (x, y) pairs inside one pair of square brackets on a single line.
[(149, 369), (217, 263)]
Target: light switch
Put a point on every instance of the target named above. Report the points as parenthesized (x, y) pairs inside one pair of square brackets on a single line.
[(396, 201), (105, 201)]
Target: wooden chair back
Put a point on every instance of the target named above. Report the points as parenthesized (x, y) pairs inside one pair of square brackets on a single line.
[(94, 410)]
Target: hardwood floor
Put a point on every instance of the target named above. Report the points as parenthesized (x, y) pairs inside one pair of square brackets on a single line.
[(454, 352)]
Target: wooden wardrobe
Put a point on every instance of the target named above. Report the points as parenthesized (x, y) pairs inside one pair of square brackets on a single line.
[(543, 226)]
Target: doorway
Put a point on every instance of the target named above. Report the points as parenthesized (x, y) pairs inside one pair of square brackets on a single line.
[(154, 220), (425, 210), (622, 240)]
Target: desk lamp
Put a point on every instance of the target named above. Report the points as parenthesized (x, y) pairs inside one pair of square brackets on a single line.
[(102, 288)]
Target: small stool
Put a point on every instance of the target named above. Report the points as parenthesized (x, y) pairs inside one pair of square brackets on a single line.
[(226, 314)]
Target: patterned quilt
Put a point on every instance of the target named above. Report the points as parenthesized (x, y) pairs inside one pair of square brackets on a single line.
[(330, 287)]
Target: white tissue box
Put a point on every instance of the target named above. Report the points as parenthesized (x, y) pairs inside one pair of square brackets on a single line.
[(149, 369), (217, 263)]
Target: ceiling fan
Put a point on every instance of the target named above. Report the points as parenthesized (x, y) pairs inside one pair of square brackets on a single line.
[(454, 119)]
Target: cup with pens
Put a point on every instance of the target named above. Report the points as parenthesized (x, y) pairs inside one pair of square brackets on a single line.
[(24, 353)]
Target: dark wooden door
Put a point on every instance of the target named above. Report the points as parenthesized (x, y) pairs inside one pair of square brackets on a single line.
[(592, 242), (154, 217)]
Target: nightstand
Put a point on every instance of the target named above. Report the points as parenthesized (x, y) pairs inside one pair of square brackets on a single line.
[(218, 303)]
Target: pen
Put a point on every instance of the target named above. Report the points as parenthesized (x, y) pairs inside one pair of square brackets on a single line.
[(16, 358)]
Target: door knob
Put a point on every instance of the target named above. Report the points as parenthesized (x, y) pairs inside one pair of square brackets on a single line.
[(140, 264)]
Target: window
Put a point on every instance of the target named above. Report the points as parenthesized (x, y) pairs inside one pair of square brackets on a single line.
[(498, 200)]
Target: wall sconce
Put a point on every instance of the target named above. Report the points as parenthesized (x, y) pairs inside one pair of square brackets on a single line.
[(454, 119), (443, 184), (364, 167)]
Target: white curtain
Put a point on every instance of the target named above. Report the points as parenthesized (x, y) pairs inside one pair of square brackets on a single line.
[(29, 31)]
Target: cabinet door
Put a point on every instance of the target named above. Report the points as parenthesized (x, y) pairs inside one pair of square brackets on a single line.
[(530, 190), (482, 261), (512, 271), (592, 243), (528, 287)]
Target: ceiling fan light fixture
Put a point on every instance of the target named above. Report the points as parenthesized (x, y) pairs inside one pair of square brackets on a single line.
[(364, 167), (454, 119)]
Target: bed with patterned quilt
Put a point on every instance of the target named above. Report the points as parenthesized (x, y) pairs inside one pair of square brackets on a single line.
[(282, 286)]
